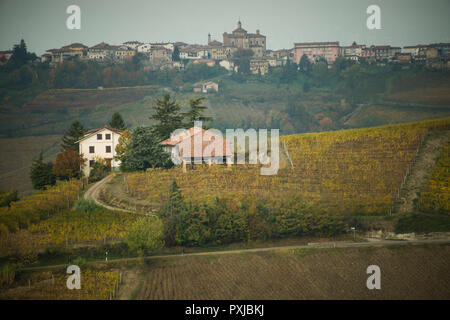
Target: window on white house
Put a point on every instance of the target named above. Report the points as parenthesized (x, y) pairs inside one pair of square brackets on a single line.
[(91, 149), (108, 149), (108, 136), (99, 136), (91, 163)]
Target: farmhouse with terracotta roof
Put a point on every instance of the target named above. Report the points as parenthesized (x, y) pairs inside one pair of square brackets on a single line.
[(197, 144)]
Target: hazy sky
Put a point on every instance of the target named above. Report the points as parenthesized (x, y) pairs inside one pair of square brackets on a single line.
[(42, 23)]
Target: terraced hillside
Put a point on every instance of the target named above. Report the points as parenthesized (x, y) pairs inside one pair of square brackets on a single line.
[(348, 172)]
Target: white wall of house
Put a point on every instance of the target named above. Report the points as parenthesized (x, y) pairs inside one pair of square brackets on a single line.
[(168, 45), (99, 148), (229, 65), (193, 55), (145, 47)]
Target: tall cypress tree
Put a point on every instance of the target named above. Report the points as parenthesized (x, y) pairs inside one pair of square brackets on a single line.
[(74, 134), (41, 174), (117, 121), (168, 116)]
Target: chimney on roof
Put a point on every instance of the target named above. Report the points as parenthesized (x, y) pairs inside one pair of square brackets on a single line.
[(257, 31), (209, 38), (239, 24)]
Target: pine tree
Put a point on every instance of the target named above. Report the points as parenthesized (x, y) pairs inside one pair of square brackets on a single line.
[(117, 121), (196, 112), (176, 198), (41, 173), (74, 134), (20, 55), (144, 151), (168, 116)]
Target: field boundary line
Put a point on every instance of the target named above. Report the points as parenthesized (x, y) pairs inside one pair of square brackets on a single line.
[(316, 245)]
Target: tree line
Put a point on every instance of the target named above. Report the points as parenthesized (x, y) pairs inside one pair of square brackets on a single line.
[(223, 220)]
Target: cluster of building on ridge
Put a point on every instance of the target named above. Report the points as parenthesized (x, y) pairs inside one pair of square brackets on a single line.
[(160, 55)]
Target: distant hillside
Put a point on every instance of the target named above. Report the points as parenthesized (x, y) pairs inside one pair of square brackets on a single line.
[(380, 114), (52, 111), (439, 96), (236, 105), (60, 99)]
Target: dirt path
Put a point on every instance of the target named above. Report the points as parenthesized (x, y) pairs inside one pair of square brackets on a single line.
[(130, 282), (117, 190), (94, 192), (317, 245), (426, 159)]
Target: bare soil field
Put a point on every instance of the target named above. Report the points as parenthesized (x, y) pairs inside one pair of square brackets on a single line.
[(407, 272), (16, 157)]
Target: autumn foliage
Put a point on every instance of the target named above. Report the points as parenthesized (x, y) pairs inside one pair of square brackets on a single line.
[(68, 164), (435, 196)]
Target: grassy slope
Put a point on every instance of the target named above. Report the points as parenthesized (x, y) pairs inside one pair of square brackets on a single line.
[(17, 155), (437, 96), (376, 115)]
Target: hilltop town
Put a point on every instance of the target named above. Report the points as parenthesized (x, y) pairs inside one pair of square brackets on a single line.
[(176, 55)]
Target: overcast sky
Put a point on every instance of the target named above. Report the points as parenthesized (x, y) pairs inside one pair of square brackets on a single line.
[(42, 23)]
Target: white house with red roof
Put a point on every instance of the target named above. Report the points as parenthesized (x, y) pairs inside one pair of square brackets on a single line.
[(97, 144)]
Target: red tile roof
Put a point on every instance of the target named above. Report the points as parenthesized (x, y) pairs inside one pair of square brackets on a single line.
[(105, 127), (334, 43), (194, 134), (172, 141)]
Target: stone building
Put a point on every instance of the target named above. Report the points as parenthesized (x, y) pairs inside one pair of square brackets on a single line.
[(317, 50), (160, 54), (101, 51), (241, 39)]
